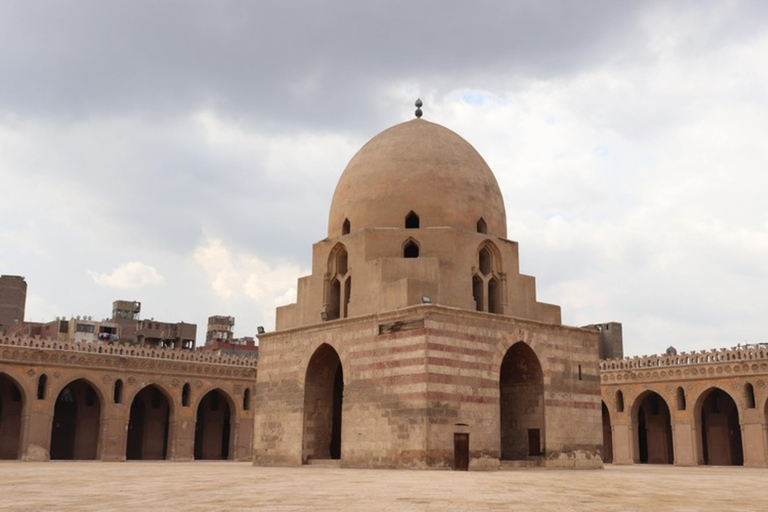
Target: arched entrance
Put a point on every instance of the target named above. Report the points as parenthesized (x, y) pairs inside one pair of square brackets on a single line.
[(212, 429), (76, 418), (323, 395), (11, 410), (521, 387), (719, 429), (607, 436), (653, 430), (148, 425)]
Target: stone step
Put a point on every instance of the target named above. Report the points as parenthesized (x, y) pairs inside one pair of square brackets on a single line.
[(324, 463), (511, 465)]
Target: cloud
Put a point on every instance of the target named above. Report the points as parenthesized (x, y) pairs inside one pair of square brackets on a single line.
[(132, 274), (239, 277)]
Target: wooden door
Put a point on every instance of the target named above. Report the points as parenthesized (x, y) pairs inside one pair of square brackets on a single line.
[(461, 452)]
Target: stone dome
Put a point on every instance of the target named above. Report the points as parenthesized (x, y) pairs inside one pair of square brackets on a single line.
[(419, 167)]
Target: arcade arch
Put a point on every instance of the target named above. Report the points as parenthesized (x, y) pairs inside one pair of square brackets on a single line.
[(215, 415), (652, 430), (521, 396), (719, 429), (607, 436), (76, 420), (11, 413), (323, 401), (149, 424)]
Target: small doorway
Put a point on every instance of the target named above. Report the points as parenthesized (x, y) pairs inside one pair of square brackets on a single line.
[(461, 452)]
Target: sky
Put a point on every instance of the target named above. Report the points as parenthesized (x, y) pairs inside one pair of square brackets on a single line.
[(184, 154)]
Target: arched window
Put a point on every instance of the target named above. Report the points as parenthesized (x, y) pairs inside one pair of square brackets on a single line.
[(619, 401), (481, 226), (345, 227), (411, 249), (680, 398), (411, 220), (118, 392), (749, 395), (247, 399), (338, 285), (184, 395), (42, 385), (487, 281)]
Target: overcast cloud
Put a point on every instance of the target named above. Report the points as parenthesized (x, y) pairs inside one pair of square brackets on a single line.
[(184, 154)]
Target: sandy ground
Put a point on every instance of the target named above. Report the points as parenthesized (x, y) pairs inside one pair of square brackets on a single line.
[(239, 486)]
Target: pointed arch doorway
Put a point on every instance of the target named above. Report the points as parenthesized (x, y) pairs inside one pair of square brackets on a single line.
[(323, 398), (521, 395), (212, 429), (11, 412), (76, 418)]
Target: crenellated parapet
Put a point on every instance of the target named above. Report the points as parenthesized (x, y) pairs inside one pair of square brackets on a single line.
[(722, 355), (46, 351), (748, 360)]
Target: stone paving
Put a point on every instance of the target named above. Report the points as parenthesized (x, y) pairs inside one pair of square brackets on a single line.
[(161, 486)]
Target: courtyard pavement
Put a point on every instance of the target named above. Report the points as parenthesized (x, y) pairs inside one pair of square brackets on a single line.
[(158, 486)]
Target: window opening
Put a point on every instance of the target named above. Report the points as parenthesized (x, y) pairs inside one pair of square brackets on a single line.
[(680, 399), (481, 226), (247, 400), (411, 221), (619, 401), (345, 227), (750, 392), (477, 293), (411, 250), (42, 383), (118, 392), (184, 396)]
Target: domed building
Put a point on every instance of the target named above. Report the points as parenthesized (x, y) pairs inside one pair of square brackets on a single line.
[(416, 342)]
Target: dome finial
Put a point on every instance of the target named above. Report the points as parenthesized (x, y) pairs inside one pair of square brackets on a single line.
[(418, 107)]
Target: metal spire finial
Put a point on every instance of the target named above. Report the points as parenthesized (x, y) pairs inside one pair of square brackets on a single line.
[(418, 108)]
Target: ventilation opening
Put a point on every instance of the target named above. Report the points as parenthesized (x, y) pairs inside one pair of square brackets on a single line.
[(411, 221), (411, 250), (481, 226), (619, 401), (345, 227)]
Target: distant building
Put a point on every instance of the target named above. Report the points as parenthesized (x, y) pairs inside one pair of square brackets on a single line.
[(220, 339), (13, 297)]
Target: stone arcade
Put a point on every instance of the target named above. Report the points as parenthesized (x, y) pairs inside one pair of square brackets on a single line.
[(416, 342)]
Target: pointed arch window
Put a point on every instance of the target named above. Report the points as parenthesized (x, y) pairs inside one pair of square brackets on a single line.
[(411, 220), (42, 385), (488, 280), (619, 401), (482, 227), (345, 227), (680, 399), (184, 396), (411, 249), (338, 284), (117, 395), (749, 395)]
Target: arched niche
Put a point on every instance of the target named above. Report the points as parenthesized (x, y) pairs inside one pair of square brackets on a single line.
[(323, 401), (521, 396)]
